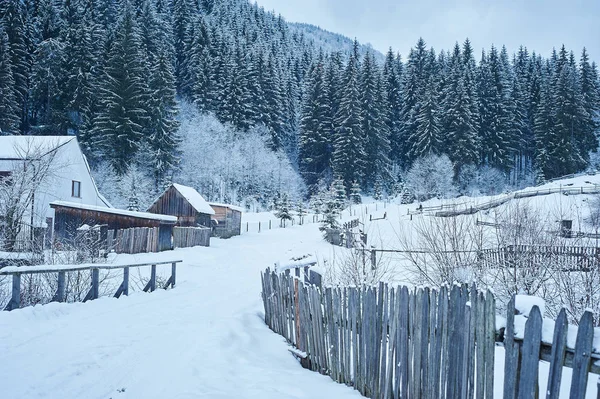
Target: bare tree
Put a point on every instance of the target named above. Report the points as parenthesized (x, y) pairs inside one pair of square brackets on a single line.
[(442, 250), (32, 169)]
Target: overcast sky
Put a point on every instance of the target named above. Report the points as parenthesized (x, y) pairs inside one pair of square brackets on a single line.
[(540, 25)]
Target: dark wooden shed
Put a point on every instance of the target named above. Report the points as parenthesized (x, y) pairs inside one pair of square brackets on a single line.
[(70, 216), (228, 220), (185, 203)]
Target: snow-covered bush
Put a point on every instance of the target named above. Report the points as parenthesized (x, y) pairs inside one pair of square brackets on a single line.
[(484, 180), (431, 176)]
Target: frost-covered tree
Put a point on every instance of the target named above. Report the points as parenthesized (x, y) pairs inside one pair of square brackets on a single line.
[(431, 176)]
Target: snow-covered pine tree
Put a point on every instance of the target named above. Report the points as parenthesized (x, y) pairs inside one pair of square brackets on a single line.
[(413, 84), (162, 135), (338, 193), (590, 102), (300, 211), (284, 210), (78, 84), (355, 197), (461, 113), (375, 130), (315, 122), (349, 158), (544, 130), (119, 126), (428, 135), (13, 16), (393, 92), (9, 107)]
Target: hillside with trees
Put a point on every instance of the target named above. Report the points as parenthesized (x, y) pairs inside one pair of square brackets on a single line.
[(116, 73)]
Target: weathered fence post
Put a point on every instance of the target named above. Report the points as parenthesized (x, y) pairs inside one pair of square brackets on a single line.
[(511, 362), (15, 301), (582, 356), (173, 274), (93, 292), (530, 362), (60, 290), (559, 345)]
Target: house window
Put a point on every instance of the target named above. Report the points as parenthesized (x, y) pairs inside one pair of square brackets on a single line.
[(76, 189)]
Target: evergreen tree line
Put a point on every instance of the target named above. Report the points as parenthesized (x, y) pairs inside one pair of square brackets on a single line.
[(522, 115), (113, 72)]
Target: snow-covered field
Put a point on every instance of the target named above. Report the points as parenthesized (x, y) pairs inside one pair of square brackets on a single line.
[(204, 339)]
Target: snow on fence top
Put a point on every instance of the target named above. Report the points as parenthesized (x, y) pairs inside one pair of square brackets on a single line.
[(114, 211), (194, 198), (71, 268)]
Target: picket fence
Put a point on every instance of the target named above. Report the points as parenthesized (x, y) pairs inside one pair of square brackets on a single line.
[(420, 343), (184, 237), (389, 342)]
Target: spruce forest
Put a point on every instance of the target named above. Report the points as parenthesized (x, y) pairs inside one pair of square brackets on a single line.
[(245, 106)]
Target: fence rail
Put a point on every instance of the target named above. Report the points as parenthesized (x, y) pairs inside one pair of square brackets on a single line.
[(61, 270), (388, 342), (405, 343)]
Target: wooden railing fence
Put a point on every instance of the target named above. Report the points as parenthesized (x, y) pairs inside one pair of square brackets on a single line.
[(134, 240), (93, 293), (184, 237), (388, 342)]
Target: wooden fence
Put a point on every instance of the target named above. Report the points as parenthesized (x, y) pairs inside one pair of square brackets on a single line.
[(569, 258), (422, 343), (134, 240), (522, 358), (60, 295), (388, 342), (184, 237)]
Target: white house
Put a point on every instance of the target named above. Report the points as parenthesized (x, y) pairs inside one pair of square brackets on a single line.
[(67, 177)]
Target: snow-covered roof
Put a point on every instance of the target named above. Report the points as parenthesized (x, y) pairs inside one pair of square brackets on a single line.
[(194, 198), (233, 207), (114, 211), (14, 147)]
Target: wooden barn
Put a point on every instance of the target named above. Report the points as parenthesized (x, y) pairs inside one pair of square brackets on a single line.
[(70, 216), (185, 203), (228, 220)]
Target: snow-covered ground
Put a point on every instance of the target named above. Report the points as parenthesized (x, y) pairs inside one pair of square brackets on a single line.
[(204, 339)]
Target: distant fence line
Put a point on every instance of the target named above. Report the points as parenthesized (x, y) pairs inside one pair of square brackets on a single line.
[(391, 343), (468, 208)]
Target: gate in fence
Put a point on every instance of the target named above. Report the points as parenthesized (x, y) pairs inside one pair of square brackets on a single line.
[(388, 342)]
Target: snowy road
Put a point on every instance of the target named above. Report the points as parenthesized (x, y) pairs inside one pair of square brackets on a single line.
[(204, 339)]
